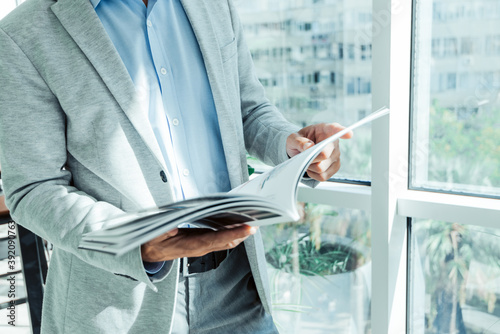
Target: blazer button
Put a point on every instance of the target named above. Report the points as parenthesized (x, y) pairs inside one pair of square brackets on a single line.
[(163, 176)]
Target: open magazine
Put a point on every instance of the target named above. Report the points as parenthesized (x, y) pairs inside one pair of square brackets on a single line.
[(269, 198)]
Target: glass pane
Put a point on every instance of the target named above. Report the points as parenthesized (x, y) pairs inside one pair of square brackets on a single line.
[(454, 278), (320, 271), (456, 105), (6, 6), (314, 59)]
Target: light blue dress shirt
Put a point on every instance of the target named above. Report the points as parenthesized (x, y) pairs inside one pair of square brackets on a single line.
[(159, 49)]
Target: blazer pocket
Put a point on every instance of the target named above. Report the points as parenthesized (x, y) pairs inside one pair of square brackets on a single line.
[(228, 51)]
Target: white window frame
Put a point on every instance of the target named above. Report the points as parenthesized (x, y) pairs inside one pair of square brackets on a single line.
[(388, 200)]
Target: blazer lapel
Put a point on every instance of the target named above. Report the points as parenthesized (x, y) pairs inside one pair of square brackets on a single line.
[(199, 18), (82, 23)]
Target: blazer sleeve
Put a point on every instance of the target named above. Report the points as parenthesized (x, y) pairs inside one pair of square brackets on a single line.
[(265, 129), (33, 152)]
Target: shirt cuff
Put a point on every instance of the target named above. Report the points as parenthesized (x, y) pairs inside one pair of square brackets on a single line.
[(152, 268)]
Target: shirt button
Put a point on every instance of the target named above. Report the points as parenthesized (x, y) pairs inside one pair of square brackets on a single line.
[(149, 23), (163, 176), (185, 172), (175, 121), (163, 70)]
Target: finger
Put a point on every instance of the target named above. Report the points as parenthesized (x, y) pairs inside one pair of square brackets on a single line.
[(324, 165), (296, 144), (324, 176), (331, 153), (297, 141), (234, 243), (332, 128), (303, 143), (164, 236), (194, 242), (227, 239), (327, 153)]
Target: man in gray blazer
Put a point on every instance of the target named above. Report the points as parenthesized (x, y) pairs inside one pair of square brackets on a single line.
[(78, 146)]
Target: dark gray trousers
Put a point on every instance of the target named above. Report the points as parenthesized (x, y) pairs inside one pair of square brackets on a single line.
[(222, 300)]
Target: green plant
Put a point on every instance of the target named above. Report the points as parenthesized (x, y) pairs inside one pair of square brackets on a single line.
[(299, 248), (450, 249), (464, 149), (328, 259)]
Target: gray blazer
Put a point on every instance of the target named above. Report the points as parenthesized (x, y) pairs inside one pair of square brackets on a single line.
[(77, 148)]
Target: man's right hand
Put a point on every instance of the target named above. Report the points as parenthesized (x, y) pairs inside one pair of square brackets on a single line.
[(193, 243)]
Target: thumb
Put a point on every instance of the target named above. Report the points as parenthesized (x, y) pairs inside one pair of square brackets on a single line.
[(296, 144), (303, 143)]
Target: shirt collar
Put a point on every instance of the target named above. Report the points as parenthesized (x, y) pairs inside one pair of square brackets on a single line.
[(95, 3)]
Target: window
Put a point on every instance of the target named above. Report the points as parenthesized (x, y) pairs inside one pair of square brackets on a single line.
[(436, 47), (440, 167), (449, 47), (7, 5), (332, 78), (366, 52), (333, 39), (456, 128), (453, 258), (350, 52), (451, 83), (454, 275), (468, 46)]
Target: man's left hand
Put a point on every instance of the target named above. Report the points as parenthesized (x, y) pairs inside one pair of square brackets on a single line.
[(327, 163)]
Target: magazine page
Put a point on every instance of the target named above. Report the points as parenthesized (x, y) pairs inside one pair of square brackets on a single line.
[(248, 208), (133, 217), (222, 216)]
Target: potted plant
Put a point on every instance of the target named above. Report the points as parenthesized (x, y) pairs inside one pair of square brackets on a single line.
[(319, 281)]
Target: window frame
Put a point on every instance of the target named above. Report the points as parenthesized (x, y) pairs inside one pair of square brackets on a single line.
[(389, 200)]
